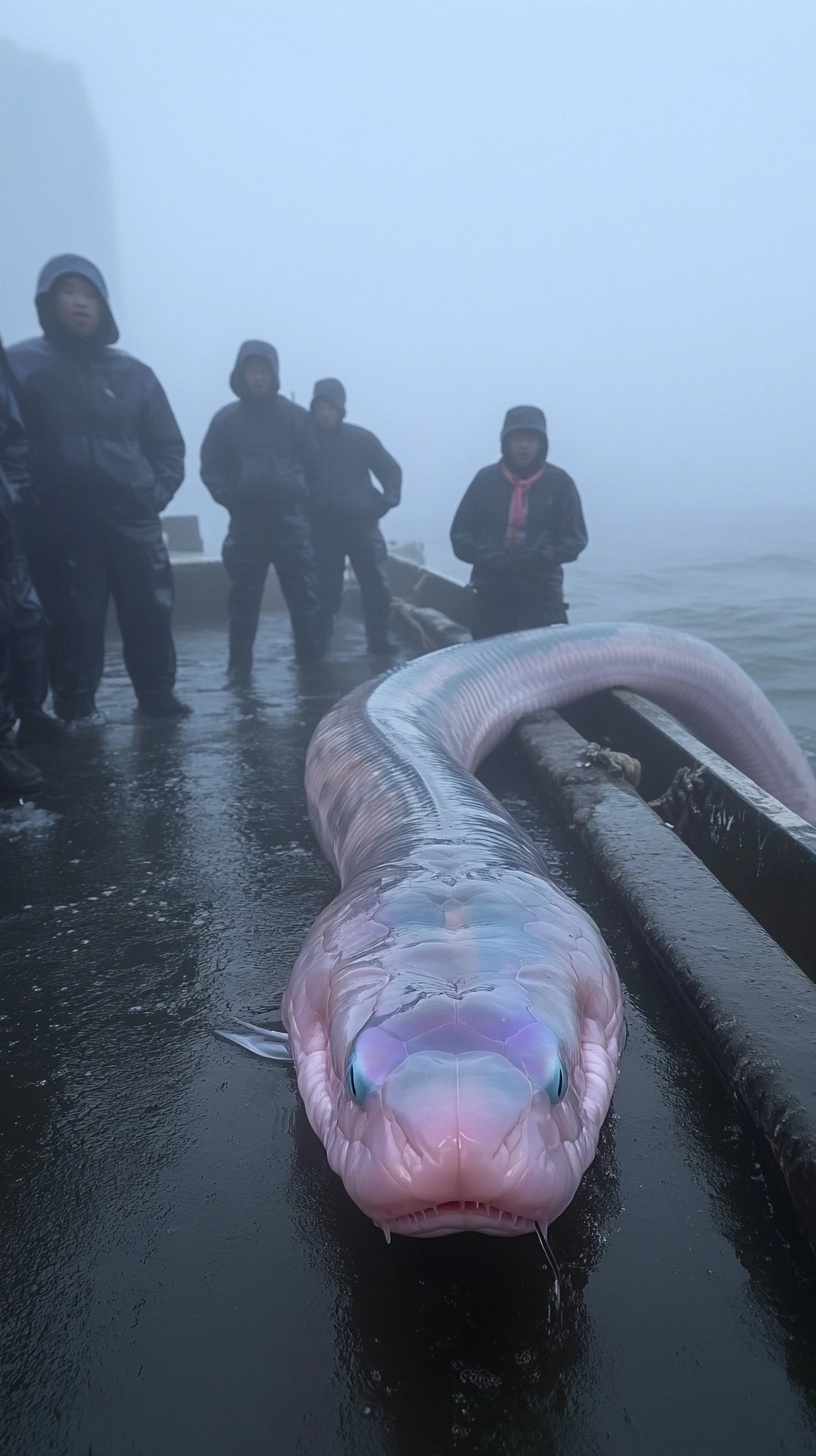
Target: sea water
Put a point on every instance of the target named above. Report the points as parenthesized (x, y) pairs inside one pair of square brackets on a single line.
[(745, 583)]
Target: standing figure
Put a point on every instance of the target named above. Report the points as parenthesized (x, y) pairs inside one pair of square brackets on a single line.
[(257, 461), (106, 457), (518, 522), (18, 777), (345, 519), (27, 673)]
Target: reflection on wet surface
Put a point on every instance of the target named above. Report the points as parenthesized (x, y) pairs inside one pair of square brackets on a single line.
[(181, 1271)]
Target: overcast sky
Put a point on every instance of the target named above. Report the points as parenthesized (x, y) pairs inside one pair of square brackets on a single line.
[(600, 206)]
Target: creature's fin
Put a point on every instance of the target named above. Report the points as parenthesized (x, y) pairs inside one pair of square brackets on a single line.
[(263, 1042)]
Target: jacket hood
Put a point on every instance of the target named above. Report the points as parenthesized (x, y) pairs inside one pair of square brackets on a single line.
[(254, 349), (333, 391), (526, 417), (60, 267)]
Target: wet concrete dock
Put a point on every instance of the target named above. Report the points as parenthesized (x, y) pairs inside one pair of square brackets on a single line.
[(180, 1271)]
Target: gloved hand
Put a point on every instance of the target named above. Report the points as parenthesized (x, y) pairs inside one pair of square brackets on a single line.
[(494, 559), (529, 561)]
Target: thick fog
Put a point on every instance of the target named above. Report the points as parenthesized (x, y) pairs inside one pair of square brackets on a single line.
[(604, 208)]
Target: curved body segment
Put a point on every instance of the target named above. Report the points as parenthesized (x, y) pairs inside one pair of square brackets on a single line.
[(456, 1021)]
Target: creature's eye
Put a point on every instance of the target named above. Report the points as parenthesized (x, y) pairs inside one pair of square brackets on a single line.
[(373, 1055), (557, 1083), (355, 1085), (535, 1049)]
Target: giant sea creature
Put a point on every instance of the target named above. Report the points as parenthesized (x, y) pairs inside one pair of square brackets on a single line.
[(455, 1020)]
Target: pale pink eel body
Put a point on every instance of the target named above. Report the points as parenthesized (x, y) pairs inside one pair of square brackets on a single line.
[(455, 1020)]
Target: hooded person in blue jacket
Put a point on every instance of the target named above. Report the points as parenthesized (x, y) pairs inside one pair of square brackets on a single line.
[(518, 522), (257, 461), (345, 518), (22, 684), (106, 457), (23, 676)]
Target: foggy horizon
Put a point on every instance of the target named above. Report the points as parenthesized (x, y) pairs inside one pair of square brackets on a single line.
[(604, 210)]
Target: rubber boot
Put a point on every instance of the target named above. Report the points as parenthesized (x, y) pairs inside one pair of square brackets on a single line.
[(39, 727), (163, 703), (18, 777), (80, 711)]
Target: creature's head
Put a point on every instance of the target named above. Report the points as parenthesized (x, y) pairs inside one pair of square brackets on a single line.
[(458, 1092)]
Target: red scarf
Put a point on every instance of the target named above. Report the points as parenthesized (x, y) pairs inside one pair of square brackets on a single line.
[(517, 516)]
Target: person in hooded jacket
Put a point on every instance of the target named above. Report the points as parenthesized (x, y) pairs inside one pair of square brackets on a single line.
[(18, 777), (345, 520), (517, 524), (257, 462), (106, 457), (23, 675)]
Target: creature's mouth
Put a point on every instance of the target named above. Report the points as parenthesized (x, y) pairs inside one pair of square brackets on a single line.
[(457, 1218)]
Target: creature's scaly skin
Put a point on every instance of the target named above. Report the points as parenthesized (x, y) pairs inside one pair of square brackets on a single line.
[(456, 1021)]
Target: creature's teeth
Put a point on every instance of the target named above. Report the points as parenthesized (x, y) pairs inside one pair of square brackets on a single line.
[(424, 1218)]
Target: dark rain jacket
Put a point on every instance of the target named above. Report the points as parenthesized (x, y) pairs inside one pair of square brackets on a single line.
[(257, 458), (554, 532), (350, 456), (103, 438), (14, 467)]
